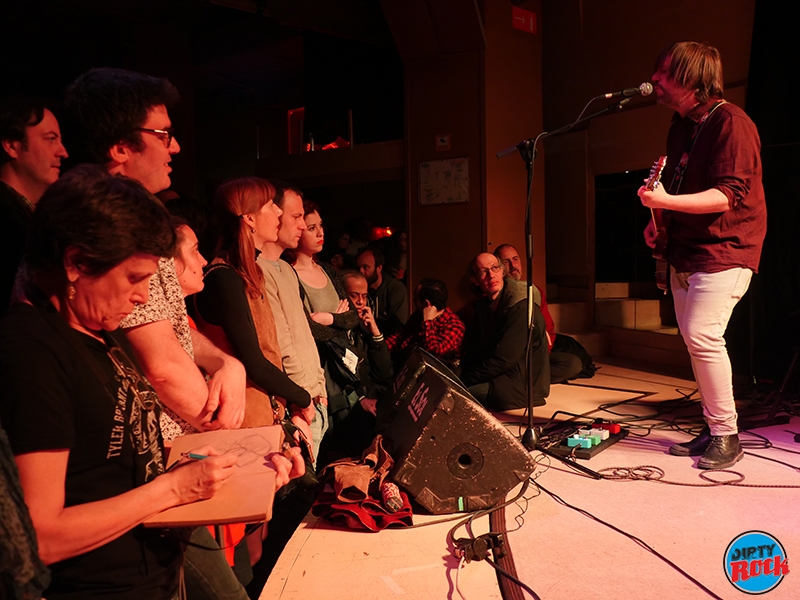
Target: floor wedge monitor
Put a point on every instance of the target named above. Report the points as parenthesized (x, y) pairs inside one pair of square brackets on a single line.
[(450, 454)]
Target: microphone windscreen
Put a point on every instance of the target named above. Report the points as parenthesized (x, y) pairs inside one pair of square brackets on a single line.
[(646, 88)]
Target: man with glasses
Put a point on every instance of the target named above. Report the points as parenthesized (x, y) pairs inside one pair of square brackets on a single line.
[(494, 365), (120, 119), (567, 356)]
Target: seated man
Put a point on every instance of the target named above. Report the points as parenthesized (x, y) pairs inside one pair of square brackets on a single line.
[(494, 364), (568, 359), (356, 432), (376, 371), (432, 326), (388, 296)]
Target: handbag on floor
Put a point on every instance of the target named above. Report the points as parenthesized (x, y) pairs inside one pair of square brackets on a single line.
[(351, 494)]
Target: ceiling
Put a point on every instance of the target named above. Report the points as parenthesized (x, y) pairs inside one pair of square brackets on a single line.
[(249, 50)]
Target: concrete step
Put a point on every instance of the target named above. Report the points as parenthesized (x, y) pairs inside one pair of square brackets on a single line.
[(660, 346), (570, 316), (627, 289), (566, 293), (597, 343), (628, 313)]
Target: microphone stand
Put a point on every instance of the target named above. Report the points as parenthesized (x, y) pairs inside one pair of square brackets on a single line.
[(527, 150)]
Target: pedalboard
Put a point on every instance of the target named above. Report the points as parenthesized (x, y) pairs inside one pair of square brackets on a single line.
[(586, 443)]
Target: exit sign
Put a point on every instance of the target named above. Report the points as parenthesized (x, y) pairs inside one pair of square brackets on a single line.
[(522, 19)]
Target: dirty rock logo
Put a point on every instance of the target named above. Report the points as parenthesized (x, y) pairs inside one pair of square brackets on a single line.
[(755, 562)]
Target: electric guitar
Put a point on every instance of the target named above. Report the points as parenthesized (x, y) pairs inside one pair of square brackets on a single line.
[(660, 220)]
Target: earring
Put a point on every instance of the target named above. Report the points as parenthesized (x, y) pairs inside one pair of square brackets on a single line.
[(71, 292), (252, 230)]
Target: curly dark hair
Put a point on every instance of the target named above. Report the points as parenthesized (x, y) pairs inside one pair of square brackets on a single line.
[(107, 219), (16, 114), (105, 106)]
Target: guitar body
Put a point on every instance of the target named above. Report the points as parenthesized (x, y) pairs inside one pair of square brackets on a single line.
[(660, 221)]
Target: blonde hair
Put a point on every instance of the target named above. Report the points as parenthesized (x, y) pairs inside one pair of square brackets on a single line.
[(695, 66)]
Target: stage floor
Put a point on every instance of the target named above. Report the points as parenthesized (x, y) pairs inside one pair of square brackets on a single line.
[(562, 554)]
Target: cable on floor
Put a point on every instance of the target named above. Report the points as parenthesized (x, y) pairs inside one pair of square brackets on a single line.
[(630, 536)]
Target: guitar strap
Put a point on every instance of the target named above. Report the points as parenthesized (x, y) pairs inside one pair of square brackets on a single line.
[(680, 168)]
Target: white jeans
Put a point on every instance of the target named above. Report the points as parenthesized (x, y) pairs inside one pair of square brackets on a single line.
[(703, 306)]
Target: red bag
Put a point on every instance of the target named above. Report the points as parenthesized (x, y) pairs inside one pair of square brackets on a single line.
[(351, 492)]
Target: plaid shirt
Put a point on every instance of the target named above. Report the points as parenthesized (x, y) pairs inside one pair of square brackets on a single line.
[(441, 337)]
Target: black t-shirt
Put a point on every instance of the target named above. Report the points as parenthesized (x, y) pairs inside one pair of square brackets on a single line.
[(14, 221), (52, 399)]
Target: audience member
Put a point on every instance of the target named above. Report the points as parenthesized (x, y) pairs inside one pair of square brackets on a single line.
[(232, 309), (298, 349), (376, 371), (509, 256), (331, 318), (358, 232), (119, 119), (568, 359), (189, 262), (388, 296), (30, 160), (323, 294), (494, 367), (432, 326), (395, 251), (82, 422)]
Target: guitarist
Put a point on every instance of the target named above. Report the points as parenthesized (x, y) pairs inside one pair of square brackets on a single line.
[(714, 206)]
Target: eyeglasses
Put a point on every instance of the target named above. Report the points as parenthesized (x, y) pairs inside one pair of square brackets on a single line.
[(484, 272), (165, 135)]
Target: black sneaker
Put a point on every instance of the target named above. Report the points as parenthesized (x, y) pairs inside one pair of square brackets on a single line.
[(695, 447), (724, 451)]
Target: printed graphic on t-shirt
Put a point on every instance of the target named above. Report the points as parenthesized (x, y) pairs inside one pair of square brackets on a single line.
[(136, 399)]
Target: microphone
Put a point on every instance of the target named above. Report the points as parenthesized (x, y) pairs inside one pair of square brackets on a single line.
[(644, 89)]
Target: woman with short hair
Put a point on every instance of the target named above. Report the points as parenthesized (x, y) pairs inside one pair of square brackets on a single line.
[(82, 420)]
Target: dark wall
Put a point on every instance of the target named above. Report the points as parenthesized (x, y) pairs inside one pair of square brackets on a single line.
[(771, 315), (47, 44), (342, 75)]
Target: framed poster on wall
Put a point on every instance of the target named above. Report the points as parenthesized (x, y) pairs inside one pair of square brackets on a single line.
[(444, 181)]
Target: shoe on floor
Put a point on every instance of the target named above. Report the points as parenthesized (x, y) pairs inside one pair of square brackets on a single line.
[(695, 447), (724, 451)]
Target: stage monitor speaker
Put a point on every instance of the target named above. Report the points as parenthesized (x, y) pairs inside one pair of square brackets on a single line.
[(450, 453)]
